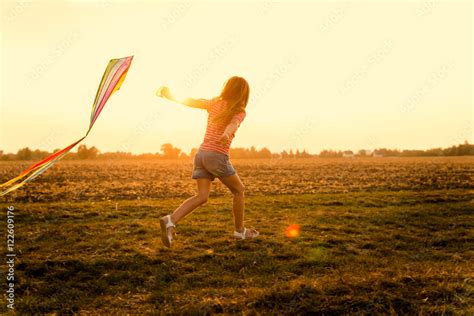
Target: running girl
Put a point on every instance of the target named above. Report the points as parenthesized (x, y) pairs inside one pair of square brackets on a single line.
[(226, 113)]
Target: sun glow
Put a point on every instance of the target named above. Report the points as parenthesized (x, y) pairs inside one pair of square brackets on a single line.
[(293, 231)]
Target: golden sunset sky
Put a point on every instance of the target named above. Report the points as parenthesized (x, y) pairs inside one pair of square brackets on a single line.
[(323, 74)]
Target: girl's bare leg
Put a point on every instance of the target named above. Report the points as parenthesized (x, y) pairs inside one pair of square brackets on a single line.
[(236, 186), (204, 186)]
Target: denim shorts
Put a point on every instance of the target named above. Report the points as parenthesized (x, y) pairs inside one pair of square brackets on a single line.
[(211, 165)]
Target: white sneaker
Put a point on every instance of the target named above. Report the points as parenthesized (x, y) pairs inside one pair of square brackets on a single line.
[(167, 230), (246, 234)]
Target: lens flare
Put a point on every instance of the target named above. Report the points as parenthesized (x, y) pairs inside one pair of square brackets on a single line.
[(210, 251), (293, 231)]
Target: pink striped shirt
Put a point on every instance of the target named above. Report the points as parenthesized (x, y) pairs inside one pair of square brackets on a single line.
[(214, 130)]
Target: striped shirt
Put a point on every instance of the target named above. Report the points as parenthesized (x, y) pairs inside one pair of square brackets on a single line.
[(214, 130)]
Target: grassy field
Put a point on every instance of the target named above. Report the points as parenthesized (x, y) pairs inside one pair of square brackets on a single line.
[(390, 236)]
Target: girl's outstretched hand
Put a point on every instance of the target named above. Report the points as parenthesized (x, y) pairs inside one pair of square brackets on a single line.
[(163, 92)]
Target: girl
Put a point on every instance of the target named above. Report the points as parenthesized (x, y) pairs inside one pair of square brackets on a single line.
[(226, 113)]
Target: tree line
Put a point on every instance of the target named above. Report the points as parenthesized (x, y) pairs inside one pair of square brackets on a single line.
[(168, 151)]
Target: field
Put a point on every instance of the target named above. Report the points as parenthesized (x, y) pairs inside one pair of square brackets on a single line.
[(378, 236)]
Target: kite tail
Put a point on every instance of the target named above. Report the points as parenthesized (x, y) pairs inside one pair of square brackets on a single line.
[(36, 169), (112, 79)]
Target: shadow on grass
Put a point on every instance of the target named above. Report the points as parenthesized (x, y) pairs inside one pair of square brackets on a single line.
[(407, 260), (67, 286)]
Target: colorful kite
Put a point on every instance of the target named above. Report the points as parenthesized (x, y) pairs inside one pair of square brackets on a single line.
[(111, 81)]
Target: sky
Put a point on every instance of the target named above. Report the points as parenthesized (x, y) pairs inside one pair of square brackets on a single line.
[(342, 75)]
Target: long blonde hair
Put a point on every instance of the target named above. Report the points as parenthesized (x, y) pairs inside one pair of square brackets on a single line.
[(236, 92)]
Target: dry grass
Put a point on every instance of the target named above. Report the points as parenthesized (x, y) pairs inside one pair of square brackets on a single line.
[(134, 179), (369, 251)]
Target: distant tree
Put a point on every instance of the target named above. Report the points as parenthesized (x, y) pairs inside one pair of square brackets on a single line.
[(7, 156), (305, 154), (146, 156), (240, 153), (87, 153), (330, 154), (324, 153), (434, 152), (388, 152), (465, 149), (412, 153), (24, 154), (117, 155), (264, 153), (253, 152), (362, 153), (284, 154), (39, 154), (193, 152), (169, 151)]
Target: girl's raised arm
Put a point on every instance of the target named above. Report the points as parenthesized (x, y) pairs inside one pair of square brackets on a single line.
[(164, 92)]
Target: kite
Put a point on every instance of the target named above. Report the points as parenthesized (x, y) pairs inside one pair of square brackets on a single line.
[(112, 79)]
